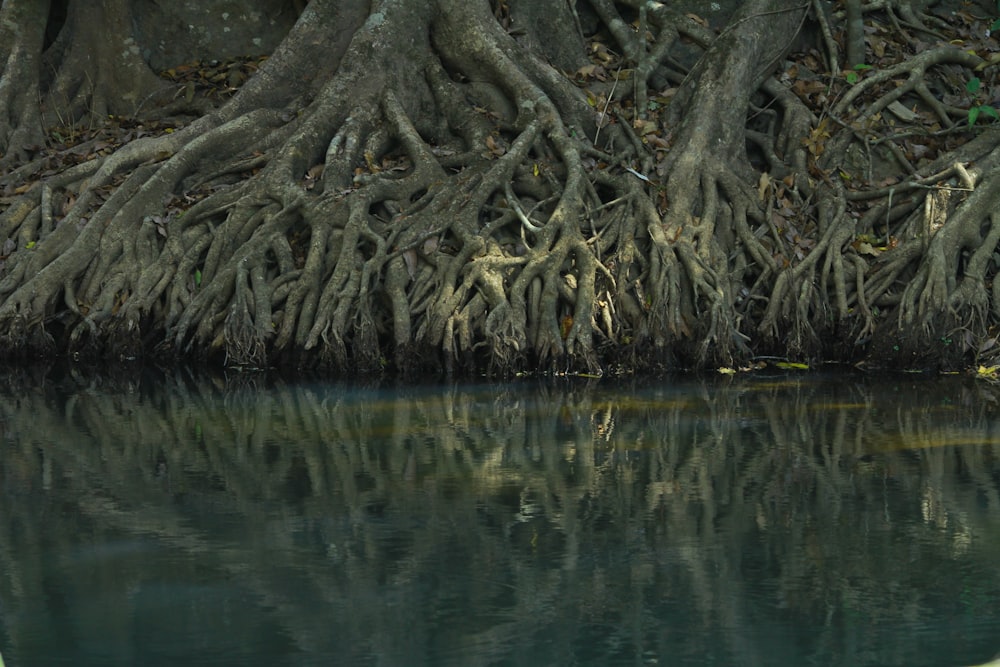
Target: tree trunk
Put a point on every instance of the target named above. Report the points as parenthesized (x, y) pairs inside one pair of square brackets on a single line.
[(98, 77), (709, 160), (22, 34), (504, 186)]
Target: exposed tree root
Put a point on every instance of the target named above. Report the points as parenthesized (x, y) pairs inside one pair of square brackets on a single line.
[(454, 202)]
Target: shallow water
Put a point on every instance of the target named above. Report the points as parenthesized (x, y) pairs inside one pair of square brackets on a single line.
[(785, 520)]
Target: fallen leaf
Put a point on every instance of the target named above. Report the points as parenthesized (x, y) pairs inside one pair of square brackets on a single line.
[(763, 185), (864, 248), (410, 259), (901, 112), (565, 325), (988, 372), (645, 126), (494, 146), (697, 19)]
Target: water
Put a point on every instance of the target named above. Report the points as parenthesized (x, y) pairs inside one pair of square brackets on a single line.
[(777, 521)]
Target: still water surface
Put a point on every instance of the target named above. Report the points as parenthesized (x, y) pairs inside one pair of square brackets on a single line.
[(775, 521)]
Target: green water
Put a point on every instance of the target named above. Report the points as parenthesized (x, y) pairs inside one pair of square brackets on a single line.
[(777, 521)]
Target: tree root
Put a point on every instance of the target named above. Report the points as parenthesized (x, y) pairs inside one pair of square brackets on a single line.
[(391, 219)]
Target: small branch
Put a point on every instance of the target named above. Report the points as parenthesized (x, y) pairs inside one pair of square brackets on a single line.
[(832, 52), (607, 103)]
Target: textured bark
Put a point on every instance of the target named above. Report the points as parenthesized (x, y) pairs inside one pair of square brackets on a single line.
[(172, 33), (709, 162), (95, 77), (22, 34)]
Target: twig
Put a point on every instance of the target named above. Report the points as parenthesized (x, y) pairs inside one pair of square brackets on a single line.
[(607, 103)]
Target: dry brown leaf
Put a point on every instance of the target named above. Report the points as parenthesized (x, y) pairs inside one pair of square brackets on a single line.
[(657, 141), (697, 19), (645, 126), (763, 185)]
